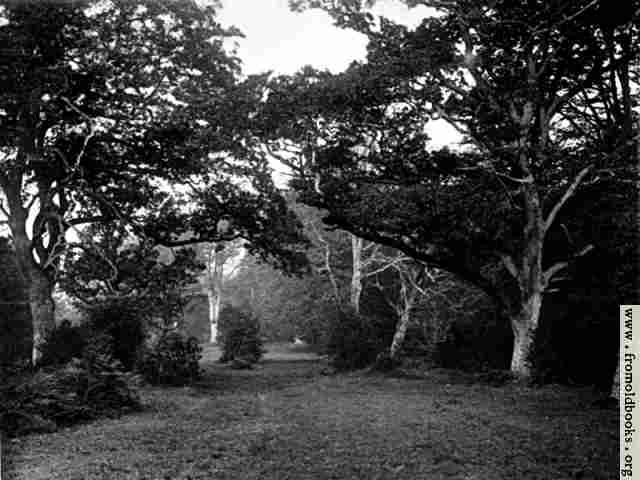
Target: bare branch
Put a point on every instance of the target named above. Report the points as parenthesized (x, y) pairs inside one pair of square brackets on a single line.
[(327, 261), (92, 131), (567, 195), (552, 270), (510, 265), (569, 18), (559, 266), (3, 210)]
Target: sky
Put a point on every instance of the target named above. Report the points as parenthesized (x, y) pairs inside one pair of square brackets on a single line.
[(282, 41)]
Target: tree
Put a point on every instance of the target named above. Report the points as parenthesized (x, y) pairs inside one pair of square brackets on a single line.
[(295, 305), (15, 328), (115, 267), (215, 257), (107, 104), (403, 294), (512, 88), (328, 252)]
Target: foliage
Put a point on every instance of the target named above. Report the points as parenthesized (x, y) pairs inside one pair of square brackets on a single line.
[(355, 340), (297, 306), (239, 334), (455, 326), (170, 360), (529, 101), (287, 306), (196, 318), (63, 343), (101, 74), (131, 112), (66, 308), (122, 321), (15, 320), (478, 342), (120, 265), (84, 388)]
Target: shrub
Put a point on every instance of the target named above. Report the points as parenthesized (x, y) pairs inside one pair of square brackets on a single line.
[(123, 321), (171, 360), (479, 342), (355, 341), (546, 363), (16, 335), (84, 388), (239, 333), (62, 344)]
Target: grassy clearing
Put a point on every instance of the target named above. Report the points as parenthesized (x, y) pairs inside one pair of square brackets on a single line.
[(284, 420)]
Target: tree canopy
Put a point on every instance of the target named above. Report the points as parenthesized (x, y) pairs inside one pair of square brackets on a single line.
[(129, 112), (541, 93)]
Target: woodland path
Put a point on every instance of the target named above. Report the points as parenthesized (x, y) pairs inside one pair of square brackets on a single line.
[(284, 420)]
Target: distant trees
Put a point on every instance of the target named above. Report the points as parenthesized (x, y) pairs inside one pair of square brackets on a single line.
[(215, 256), (545, 108)]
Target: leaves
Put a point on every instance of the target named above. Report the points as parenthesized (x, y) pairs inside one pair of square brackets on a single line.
[(121, 106), (510, 86)]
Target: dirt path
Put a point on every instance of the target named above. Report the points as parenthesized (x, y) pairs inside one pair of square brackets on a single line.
[(286, 421)]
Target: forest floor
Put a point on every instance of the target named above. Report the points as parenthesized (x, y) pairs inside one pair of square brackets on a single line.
[(285, 420)]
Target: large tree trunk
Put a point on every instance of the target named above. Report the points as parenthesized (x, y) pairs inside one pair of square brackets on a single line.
[(356, 275), (39, 285), (42, 311), (400, 334), (530, 275), (525, 325)]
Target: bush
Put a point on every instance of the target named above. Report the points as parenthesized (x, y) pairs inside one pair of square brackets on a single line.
[(546, 362), (123, 321), (480, 342), (239, 333), (84, 388), (16, 334), (171, 360), (62, 344), (355, 341)]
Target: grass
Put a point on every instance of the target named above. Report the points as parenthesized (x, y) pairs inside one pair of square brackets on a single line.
[(284, 420)]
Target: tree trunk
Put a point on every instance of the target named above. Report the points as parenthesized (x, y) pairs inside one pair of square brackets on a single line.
[(39, 285), (525, 325), (356, 275), (42, 311), (400, 333), (215, 281), (214, 314)]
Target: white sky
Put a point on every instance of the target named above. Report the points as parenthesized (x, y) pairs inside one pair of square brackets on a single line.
[(282, 41)]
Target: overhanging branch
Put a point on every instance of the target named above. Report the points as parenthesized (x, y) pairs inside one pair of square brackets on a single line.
[(449, 264)]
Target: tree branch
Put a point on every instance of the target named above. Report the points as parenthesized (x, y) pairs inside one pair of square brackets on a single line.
[(559, 266), (567, 195), (509, 264), (449, 264)]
